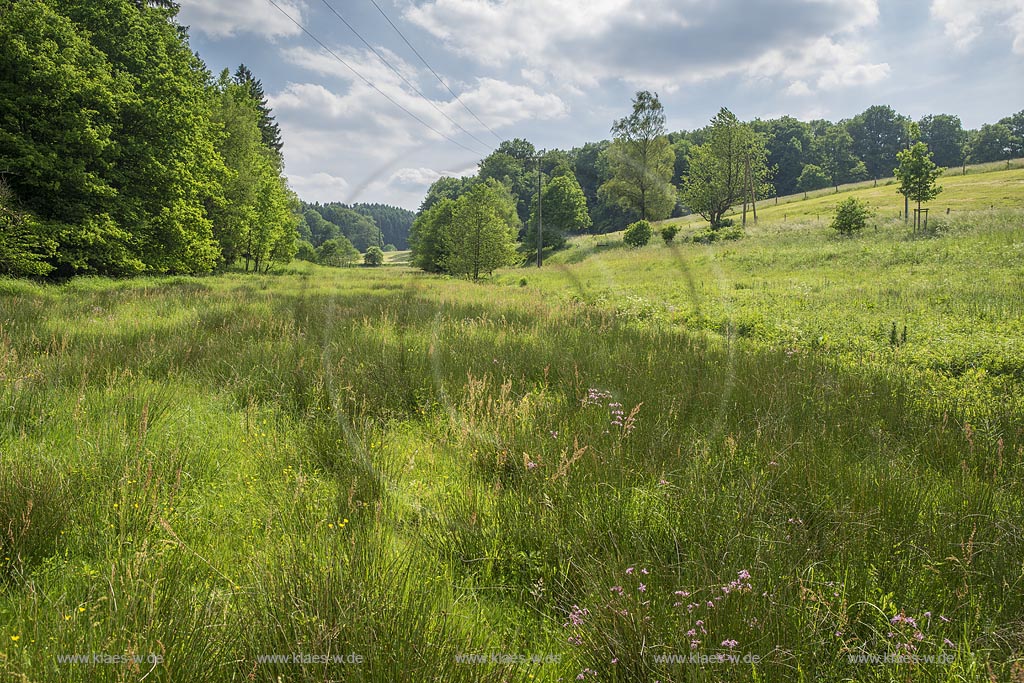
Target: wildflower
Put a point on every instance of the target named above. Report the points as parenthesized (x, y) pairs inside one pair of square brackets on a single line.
[(919, 636), (663, 482), (692, 633), (554, 434), (531, 465), (575, 640), (615, 660), (576, 616), (642, 588), (15, 638), (683, 594), (617, 589), (694, 644), (644, 571), (743, 575), (629, 570), (948, 643), (710, 604), (729, 644)]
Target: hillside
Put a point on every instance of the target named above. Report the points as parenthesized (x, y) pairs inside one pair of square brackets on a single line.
[(793, 284)]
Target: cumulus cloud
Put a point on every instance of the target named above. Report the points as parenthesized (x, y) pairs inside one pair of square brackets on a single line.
[(647, 43), (964, 22), (223, 18), (319, 187)]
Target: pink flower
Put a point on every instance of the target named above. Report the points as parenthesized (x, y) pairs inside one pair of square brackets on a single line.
[(642, 588), (729, 644), (629, 570)]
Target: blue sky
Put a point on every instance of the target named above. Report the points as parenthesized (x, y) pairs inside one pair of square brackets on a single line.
[(558, 72)]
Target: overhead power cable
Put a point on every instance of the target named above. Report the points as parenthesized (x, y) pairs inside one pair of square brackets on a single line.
[(436, 75), (369, 82), (398, 73)]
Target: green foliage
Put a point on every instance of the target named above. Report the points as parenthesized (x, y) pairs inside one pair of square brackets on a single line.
[(638, 234), (24, 243), (812, 178), (374, 257), (113, 138), (878, 134), (917, 174), (481, 236), (725, 169), (641, 161), (337, 252), (394, 222), (306, 252), (565, 211), (668, 233), (945, 137), (993, 142), (727, 231), (388, 248), (358, 227), (851, 216), (426, 239)]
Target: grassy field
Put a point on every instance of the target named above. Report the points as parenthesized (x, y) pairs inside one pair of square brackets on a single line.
[(574, 474)]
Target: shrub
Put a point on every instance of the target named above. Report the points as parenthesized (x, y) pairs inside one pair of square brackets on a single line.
[(390, 247), (638, 234), (851, 215), (668, 233), (305, 252), (374, 256), (708, 236)]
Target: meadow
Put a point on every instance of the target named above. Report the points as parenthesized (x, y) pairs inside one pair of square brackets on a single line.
[(588, 472)]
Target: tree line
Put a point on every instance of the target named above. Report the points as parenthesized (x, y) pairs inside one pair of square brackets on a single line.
[(120, 153), (647, 173)]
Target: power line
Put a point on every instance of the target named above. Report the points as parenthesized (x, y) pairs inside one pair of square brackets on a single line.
[(399, 73), (368, 82), (436, 75)]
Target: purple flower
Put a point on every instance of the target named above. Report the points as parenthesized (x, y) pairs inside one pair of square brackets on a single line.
[(694, 644), (629, 570), (617, 589), (683, 594), (729, 644), (642, 588)]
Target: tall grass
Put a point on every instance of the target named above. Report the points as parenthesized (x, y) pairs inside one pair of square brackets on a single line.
[(412, 469)]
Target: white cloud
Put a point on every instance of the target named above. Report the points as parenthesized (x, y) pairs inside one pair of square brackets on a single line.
[(659, 44), (798, 89), (964, 22), (415, 177), (319, 187), (223, 18)]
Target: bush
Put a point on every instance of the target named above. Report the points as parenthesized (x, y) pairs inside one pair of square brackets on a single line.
[(668, 233), (390, 247), (638, 234), (374, 256), (305, 252), (851, 215), (708, 236)]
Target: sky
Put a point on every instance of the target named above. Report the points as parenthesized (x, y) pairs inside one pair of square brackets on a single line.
[(559, 72)]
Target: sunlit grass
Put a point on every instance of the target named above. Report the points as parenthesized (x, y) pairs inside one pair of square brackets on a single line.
[(412, 468)]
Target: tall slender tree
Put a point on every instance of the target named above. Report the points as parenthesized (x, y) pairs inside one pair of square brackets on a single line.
[(269, 127), (642, 161)]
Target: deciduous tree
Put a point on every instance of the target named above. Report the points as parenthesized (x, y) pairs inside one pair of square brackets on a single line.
[(641, 161)]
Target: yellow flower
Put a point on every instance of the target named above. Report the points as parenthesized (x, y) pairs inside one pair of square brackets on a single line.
[(15, 638), (81, 609)]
